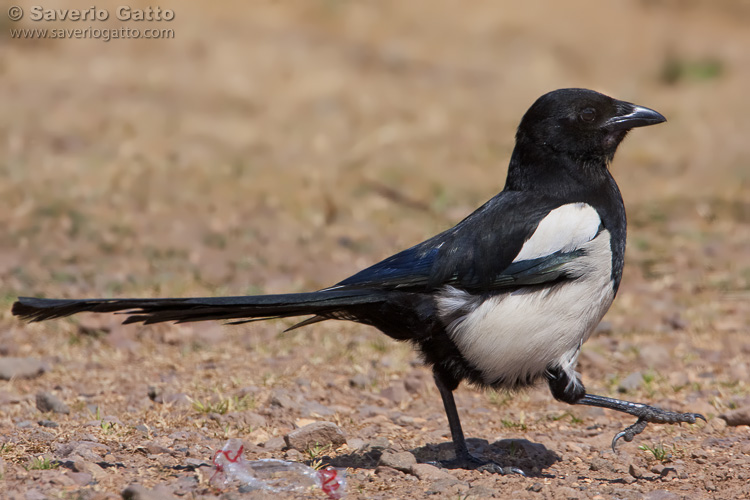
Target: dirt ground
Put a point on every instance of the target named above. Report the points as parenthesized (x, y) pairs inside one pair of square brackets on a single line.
[(279, 147)]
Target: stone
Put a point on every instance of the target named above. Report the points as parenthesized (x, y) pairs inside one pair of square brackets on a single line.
[(86, 450), (482, 491), (95, 470), (315, 409), (427, 472), (35, 495), (317, 434), (138, 492), (415, 384), (153, 448), (46, 402), (11, 368), (661, 495), (653, 355), (356, 443), (450, 486), (81, 478), (274, 444), (399, 460), (536, 487), (9, 398), (636, 471), (93, 325), (281, 399), (360, 381), (369, 411), (715, 425), (178, 399), (379, 443), (385, 471), (601, 464), (396, 392), (631, 382), (591, 359), (740, 416)]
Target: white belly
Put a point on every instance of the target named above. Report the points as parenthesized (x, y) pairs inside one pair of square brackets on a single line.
[(514, 337)]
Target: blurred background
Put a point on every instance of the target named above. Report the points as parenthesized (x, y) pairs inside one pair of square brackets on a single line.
[(280, 146), (283, 145)]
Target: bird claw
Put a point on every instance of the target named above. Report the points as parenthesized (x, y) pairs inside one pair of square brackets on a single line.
[(494, 468), (629, 432), (656, 417), (471, 462)]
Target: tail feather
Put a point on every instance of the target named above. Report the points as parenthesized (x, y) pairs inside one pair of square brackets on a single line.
[(249, 308)]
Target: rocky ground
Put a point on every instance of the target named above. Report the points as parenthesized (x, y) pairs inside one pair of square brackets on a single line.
[(280, 147)]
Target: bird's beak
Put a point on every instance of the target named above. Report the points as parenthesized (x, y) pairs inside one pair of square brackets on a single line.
[(632, 116)]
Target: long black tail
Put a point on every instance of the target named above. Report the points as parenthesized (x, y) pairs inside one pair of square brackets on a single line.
[(323, 304)]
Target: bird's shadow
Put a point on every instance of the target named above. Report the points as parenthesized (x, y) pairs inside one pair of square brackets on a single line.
[(532, 458)]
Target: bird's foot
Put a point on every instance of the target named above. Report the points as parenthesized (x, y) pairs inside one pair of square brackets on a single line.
[(470, 462), (651, 415)]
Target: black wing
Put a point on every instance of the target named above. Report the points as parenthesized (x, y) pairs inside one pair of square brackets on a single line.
[(476, 254)]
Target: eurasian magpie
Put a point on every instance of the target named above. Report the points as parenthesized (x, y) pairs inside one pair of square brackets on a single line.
[(504, 299)]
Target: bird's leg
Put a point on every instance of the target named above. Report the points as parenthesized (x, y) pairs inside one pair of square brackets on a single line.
[(454, 422), (464, 459), (572, 392)]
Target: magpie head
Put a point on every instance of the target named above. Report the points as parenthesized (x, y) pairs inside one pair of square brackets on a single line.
[(581, 124)]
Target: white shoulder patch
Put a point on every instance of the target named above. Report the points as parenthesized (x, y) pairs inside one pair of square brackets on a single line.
[(563, 229)]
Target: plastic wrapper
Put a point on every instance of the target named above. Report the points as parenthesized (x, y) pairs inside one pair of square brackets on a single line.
[(231, 469)]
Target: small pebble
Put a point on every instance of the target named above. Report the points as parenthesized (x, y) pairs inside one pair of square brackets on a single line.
[(319, 434), (81, 478), (740, 416), (715, 425), (13, 368), (427, 472), (401, 460), (385, 471), (536, 487), (138, 492), (635, 471), (396, 392), (631, 382), (48, 402), (360, 381), (281, 400), (379, 443), (601, 464), (274, 444)]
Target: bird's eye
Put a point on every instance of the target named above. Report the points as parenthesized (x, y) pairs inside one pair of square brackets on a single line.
[(588, 115)]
